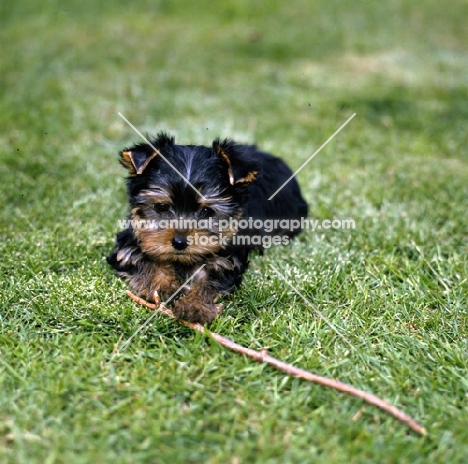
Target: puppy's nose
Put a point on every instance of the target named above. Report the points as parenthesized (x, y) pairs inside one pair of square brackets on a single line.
[(179, 242)]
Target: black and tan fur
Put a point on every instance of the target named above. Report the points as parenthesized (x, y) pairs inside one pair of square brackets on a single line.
[(230, 181)]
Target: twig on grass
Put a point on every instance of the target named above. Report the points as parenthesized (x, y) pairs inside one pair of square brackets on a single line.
[(263, 356)]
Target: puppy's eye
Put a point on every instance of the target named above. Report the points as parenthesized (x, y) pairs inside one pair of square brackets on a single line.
[(206, 212), (161, 207)]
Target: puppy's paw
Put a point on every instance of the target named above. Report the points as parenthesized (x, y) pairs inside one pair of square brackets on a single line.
[(193, 309)]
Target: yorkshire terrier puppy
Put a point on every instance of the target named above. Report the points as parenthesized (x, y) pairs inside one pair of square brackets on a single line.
[(196, 208)]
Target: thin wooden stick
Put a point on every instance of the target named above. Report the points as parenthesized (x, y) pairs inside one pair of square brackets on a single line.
[(263, 356)]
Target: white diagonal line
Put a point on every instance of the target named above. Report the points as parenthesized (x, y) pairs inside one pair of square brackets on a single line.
[(317, 151), (160, 154), (326, 320), (127, 342)]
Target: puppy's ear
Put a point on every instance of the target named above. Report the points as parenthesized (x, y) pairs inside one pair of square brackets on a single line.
[(243, 167), (137, 158)]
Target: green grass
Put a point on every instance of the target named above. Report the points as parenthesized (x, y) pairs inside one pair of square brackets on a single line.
[(285, 75)]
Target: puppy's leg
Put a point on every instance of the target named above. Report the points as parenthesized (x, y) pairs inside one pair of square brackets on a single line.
[(219, 277), (198, 304), (152, 280)]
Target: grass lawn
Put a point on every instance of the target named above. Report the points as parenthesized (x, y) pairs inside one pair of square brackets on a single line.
[(285, 75)]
